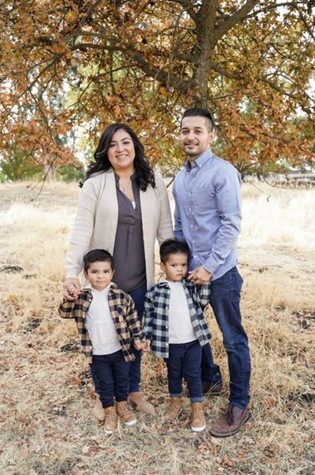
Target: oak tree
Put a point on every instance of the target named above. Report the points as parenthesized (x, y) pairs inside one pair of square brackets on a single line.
[(73, 65)]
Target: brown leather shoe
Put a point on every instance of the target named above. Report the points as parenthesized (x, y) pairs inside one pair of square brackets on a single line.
[(231, 422), (212, 389)]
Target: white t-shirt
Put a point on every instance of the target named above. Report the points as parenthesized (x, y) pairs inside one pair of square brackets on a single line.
[(100, 325), (180, 326)]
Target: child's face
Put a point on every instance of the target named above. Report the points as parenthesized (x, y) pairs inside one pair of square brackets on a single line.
[(175, 267), (99, 274)]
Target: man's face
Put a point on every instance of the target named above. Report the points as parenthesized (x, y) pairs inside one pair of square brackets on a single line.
[(195, 136)]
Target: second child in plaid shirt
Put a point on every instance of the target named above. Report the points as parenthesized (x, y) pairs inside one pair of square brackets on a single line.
[(107, 320), (175, 329)]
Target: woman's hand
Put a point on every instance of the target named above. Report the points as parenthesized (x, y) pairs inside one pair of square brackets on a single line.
[(71, 288)]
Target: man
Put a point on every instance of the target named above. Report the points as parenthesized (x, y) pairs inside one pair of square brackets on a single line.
[(208, 217)]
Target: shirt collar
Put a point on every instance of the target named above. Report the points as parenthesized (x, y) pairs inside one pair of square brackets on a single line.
[(110, 286), (201, 160), (165, 283), (132, 177)]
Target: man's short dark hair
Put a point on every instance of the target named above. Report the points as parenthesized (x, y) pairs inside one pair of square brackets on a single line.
[(97, 255), (172, 246), (200, 112)]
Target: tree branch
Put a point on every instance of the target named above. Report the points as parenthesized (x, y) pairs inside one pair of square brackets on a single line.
[(280, 5), (223, 72), (164, 77), (307, 27), (188, 6), (234, 19), (288, 94)]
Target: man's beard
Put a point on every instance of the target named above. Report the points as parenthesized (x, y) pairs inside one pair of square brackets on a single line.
[(190, 153)]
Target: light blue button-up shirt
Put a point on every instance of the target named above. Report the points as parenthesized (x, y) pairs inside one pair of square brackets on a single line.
[(208, 212)]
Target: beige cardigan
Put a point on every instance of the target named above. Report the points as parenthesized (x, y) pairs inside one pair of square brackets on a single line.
[(97, 215)]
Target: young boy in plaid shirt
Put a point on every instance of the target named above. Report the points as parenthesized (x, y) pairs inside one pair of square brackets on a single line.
[(175, 329), (106, 319)]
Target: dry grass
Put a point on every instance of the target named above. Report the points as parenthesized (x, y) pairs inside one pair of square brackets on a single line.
[(47, 427)]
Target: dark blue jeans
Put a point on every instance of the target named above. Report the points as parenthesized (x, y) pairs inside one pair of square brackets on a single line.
[(135, 366), (111, 377), (225, 302), (184, 362), (210, 372)]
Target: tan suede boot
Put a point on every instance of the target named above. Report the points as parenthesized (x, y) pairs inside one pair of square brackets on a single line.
[(174, 409), (98, 409), (125, 414), (138, 402), (197, 417), (110, 423)]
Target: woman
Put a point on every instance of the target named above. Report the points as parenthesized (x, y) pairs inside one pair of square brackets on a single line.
[(123, 207)]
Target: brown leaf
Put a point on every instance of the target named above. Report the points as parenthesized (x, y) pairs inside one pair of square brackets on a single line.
[(227, 461)]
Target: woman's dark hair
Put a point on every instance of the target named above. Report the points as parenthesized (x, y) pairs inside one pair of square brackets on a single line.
[(101, 163)]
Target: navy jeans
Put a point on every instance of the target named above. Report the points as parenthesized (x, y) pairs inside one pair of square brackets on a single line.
[(225, 302), (111, 377), (184, 362), (210, 372), (135, 366)]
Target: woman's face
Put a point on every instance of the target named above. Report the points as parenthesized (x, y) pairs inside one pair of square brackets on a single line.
[(121, 152)]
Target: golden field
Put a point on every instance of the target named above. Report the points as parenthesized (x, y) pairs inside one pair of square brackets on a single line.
[(47, 426)]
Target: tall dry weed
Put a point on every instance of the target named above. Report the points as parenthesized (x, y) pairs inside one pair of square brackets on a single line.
[(46, 395)]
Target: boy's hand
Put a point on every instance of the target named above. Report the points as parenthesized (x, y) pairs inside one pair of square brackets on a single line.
[(139, 345), (147, 346)]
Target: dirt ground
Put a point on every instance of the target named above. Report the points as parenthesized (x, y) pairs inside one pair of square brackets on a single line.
[(46, 395)]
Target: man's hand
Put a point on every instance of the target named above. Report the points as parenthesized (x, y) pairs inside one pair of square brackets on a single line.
[(199, 275), (71, 289)]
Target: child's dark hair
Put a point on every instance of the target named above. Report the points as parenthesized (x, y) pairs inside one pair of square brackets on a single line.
[(172, 246), (97, 255)]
